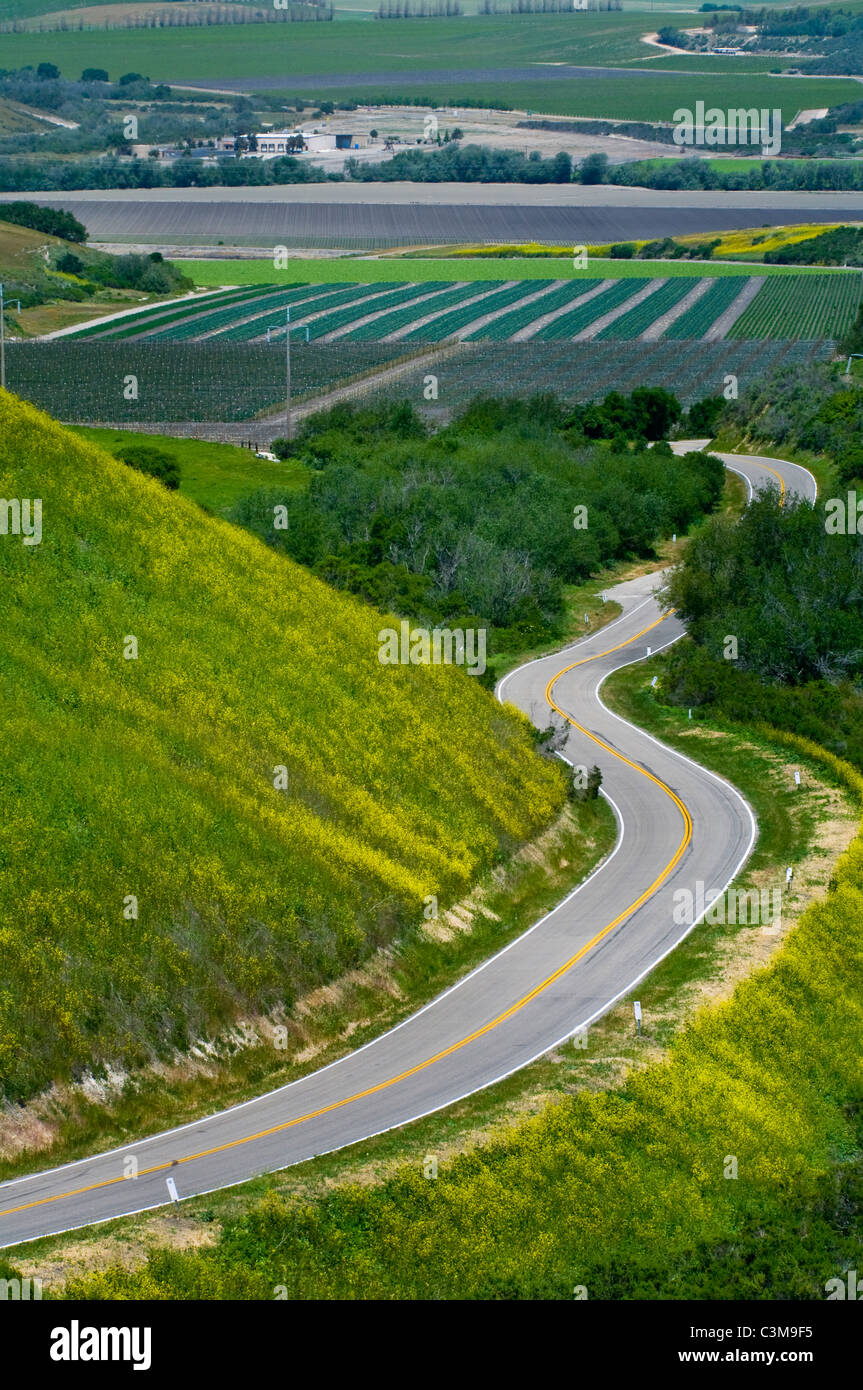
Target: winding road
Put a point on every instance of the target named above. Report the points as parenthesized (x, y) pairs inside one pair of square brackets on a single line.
[(677, 823)]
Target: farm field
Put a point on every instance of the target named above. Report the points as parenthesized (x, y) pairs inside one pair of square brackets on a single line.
[(212, 273), (789, 310), (362, 54), (229, 388), (336, 217), (431, 311), (580, 372), (222, 381)]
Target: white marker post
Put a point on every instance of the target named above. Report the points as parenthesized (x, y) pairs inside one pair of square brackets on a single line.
[(637, 1010), (796, 778), (655, 679), (788, 873), (172, 1190)]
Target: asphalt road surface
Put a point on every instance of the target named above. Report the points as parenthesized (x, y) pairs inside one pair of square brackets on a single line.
[(677, 824)]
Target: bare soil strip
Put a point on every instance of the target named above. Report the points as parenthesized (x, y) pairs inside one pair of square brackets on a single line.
[(381, 313), (720, 327), (590, 332), (486, 319), (429, 318), (664, 322)]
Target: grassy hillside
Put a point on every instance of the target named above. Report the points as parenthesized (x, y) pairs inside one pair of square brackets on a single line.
[(729, 1170), (152, 778), (58, 282)]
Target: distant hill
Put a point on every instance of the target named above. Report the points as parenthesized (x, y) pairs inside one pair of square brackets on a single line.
[(147, 784)]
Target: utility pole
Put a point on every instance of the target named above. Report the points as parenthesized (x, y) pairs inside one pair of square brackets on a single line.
[(288, 367), (288, 372)]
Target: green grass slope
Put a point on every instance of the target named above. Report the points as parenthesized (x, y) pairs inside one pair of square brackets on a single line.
[(153, 778)]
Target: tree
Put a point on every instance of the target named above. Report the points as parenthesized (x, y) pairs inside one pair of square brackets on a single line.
[(594, 169), (94, 75), (157, 463), (704, 415), (47, 72), (69, 264)]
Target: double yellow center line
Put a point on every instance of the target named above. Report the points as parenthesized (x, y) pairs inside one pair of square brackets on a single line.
[(471, 1037)]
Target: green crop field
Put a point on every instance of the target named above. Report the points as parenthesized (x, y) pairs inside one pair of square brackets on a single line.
[(210, 273), (815, 308), (500, 61), (430, 311), (188, 877), (177, 381)]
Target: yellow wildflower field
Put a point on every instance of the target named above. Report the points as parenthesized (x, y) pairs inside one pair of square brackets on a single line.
[(215, 794)]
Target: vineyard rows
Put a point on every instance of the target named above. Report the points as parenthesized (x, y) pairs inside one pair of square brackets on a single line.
[(696, 320), (804, 307), (578, 372), (223, 381), (820, 306), (636, 321)]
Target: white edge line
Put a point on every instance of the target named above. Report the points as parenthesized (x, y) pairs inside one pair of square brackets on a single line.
[(520, 1065), (279, 1090), (494, 1081)]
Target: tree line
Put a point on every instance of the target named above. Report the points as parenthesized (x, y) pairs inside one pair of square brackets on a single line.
[(484, 522)]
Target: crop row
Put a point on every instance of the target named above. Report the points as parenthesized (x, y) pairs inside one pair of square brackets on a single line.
[(92, 382), (228, 321), (635, 321), (133, 324), (585, 371), (804, 307), (700, 316), (815, 306), (460, 317)]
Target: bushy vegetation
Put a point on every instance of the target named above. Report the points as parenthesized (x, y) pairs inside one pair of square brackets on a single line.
[(54, 221), (787, 591), (782, 585), (156, 463), (479, 523), (842, 246), (811, 407), (465, 164), (33, 175), (245, 807), (665, 248), (624, 1193)]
